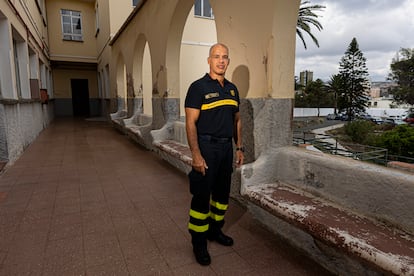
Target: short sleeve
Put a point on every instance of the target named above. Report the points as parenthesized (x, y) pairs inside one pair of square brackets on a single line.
[(194, 96)]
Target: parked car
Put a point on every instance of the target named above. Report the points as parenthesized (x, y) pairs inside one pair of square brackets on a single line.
[(399, 122), (394, 121), (344, 117), (332, 116), (409, 119), (377, 120), (364, 117)]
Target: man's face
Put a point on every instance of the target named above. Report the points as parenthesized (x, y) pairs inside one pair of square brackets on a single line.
[(218, 60)]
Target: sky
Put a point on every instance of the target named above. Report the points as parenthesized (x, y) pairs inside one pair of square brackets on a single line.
[(381, 28)]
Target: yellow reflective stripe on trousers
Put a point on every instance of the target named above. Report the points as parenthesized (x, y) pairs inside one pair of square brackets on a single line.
[(219, 206), (216, 217), (219, 103), (197, 228), (198, 215)]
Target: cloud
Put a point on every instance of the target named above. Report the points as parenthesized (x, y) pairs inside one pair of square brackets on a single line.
[(381, 28)]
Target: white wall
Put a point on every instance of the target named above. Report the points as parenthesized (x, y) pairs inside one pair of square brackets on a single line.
[(377, 112), (312, 112), (198, 36)]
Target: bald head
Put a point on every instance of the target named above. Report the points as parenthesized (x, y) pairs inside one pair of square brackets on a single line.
[(217, 45)]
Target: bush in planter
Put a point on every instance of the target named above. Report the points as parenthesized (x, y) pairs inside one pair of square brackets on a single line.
[(359, 130)]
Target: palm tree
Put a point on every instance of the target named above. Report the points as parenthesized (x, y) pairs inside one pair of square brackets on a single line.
[(335, 85), (306, 18)]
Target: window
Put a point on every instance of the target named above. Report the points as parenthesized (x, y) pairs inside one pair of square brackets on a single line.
[(17, 68), (135, 2), (202, 8), (71, 25)]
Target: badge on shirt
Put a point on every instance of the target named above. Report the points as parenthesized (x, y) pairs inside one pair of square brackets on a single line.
[(232, 92), (211, 95)]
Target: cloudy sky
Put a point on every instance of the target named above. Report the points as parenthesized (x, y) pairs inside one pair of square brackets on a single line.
[(381, 28)]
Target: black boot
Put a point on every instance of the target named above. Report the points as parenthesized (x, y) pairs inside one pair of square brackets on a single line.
[(201, 254), (219, 237)]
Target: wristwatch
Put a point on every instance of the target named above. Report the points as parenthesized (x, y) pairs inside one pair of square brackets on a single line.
[(240, 149)]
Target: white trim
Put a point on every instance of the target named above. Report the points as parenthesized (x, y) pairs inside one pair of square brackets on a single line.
[(78, 57), (198, 43)]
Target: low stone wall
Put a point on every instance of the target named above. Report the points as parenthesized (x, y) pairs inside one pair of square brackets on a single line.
[(401, 165), (170, 142), (138, 128), (381, 193), (20, 123), (356, 217)]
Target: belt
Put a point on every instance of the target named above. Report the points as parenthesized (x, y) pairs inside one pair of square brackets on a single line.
[(212, 139)]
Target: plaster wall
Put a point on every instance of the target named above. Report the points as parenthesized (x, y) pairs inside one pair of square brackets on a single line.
[(62, 85), (264, 46), (75, 51), (103, 35), (118, 13)]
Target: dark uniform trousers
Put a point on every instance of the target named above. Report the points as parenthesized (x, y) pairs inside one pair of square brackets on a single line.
[(211, 191)]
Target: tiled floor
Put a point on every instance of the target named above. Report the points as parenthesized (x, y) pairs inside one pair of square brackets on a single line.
[(84, 200)]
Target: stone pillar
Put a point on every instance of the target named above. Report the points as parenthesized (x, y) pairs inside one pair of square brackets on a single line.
[(266, 125), (164, 110)]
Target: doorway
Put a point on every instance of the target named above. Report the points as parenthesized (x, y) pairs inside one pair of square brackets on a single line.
[(80, 97)]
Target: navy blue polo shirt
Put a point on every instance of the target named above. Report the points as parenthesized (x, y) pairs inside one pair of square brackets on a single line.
[(217, 106)]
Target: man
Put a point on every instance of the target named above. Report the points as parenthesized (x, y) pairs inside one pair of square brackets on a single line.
[(212, 121)]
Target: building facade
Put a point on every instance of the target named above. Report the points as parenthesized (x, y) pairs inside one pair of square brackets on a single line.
[(79, 52), (25, 75), (54, 59)]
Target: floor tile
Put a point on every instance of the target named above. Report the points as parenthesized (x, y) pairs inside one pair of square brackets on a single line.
[(95, 203)]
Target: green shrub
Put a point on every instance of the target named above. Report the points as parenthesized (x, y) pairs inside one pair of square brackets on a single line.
[(398, 141), (359, 130)]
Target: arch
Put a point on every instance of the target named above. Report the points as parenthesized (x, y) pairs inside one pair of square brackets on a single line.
[(175, 33), (147, 80), (199, 35), (137, 66), (121, 83), (142, 76), (241, 78), (137, 78)]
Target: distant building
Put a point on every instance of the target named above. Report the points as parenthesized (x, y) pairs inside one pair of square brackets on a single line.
[(305, 77), (381, 89), (381, 96)]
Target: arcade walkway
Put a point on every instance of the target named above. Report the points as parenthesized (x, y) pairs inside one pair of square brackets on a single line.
[(85, 200)]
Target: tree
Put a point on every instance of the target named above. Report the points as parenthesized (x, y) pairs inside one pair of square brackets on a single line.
[(354, 75), (306, 18), (314, 95), (398, 141), (335, 86), (402, 72)]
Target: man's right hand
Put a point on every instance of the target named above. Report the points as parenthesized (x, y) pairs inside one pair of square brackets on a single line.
[(199, 164)]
